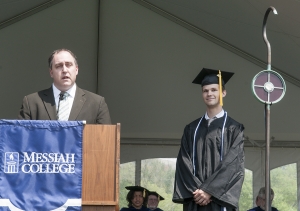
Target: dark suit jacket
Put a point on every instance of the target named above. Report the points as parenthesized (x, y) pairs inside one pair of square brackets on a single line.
[(86, 106)]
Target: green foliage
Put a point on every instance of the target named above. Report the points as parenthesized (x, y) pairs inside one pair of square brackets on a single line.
[(127, 175), (246, 201), (158, 175), (284, 184)]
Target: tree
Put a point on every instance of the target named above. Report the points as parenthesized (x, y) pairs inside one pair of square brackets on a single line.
[(246, 199), (158, 175), (127, 178), (284, 184)]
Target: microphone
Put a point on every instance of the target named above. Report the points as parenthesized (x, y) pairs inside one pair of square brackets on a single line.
[(61, 97)]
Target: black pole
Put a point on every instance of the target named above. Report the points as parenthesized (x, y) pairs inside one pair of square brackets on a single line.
[(267, 158), (267, 116), (265, 34)]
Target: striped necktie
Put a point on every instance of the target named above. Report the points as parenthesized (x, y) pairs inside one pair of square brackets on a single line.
[(63, 107)]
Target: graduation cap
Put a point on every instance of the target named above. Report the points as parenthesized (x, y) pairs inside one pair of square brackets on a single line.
[(138, 188), (210, 76), (159, 197)]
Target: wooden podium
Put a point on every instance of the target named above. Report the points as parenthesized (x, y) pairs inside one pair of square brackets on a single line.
[(100, 173)]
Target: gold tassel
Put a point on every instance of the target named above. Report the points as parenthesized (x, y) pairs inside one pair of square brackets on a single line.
[(144, 193), (220, 88)]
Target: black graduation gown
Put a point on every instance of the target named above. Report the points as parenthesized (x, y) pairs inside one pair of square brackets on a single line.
[(260, 209), (134, 209), (157, 209), (222, 179)]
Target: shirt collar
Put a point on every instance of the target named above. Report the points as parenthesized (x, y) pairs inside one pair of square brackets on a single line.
[(71, 91), (219, 115)]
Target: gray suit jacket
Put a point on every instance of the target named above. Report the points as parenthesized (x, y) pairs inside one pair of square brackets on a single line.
[(86, 106)]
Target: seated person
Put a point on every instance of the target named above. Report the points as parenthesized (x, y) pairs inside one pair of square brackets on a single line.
[(261, 200), (153, 200), (136, 198)]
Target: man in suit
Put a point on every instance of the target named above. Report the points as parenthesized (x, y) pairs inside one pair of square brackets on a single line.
[(81, 104)]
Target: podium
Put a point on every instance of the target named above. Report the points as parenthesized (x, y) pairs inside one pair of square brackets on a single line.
[(100, 173)]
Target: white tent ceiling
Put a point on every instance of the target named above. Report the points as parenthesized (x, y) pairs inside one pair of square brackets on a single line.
[(239, 23), (12, 11), (143, 55), (235, 26), (13, 8)]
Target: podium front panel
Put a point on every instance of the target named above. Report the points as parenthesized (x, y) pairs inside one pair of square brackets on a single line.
[(101, 161)]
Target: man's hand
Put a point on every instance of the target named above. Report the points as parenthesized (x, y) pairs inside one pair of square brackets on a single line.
[(201, 198)]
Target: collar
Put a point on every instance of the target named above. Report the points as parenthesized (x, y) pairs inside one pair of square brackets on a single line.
[(71, 91), (219, 115)]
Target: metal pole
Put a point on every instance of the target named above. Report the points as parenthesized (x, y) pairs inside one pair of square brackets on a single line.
[(267, 158), (265, 34), (267, 116), (138, 171)]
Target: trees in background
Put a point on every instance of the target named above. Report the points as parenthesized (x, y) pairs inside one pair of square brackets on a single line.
[(245, 202), (127, 177), (284, 184), (158, 175)]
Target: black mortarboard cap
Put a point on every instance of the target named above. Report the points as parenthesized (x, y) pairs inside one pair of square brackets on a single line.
[(209, 76), (156, 194), (138, 188)]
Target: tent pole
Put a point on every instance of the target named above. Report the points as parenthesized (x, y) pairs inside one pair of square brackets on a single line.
[(267, 158)]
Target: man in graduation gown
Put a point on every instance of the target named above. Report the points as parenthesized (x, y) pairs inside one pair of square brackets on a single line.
[(153, 200), (210, 163)]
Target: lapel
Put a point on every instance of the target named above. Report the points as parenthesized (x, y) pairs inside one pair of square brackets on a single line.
[(49, 102), (78, 103)]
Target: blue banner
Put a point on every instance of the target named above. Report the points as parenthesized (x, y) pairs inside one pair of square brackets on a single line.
[(41, 165)]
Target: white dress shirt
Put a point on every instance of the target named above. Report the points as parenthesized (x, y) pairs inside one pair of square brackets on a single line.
[(71, 96), (219, 115)]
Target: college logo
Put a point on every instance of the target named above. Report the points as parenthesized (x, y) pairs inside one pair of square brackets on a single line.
[(45, 163), (11, 162)]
